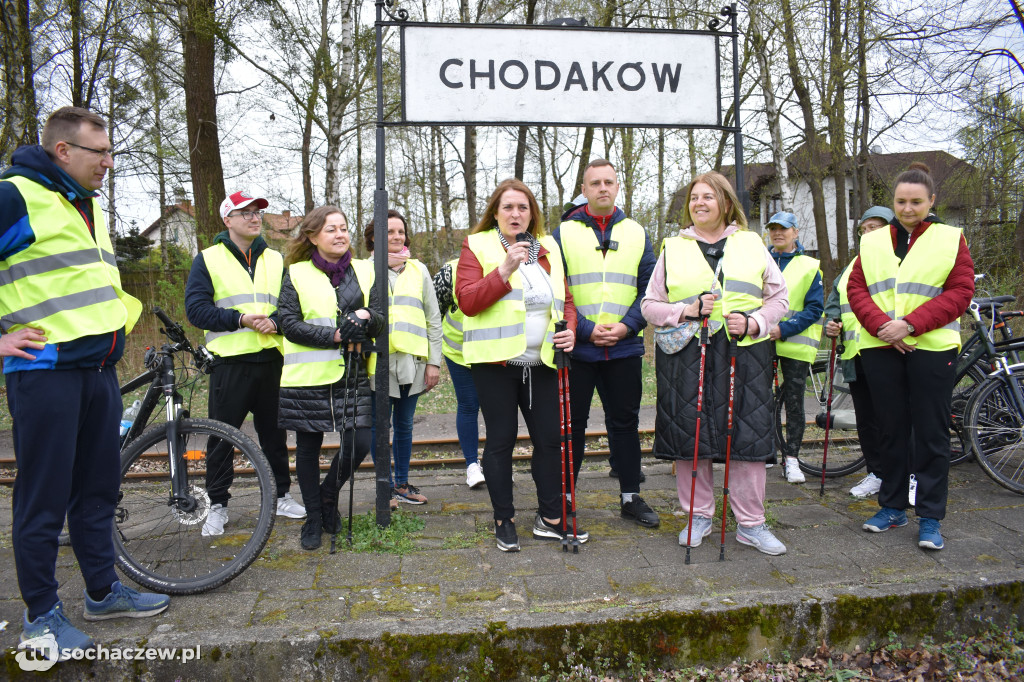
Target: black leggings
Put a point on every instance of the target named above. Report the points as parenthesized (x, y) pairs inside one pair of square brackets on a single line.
[(504, 391), (307, 465)]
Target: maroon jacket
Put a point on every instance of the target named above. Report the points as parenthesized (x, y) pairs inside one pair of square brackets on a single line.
[(477, 292), (945, 308)]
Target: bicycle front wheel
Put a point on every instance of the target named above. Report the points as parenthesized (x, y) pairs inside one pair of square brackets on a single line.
[(159, 541), (996, 427)]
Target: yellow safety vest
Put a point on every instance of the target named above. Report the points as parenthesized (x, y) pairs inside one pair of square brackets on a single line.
[(851, 325), (687, 275), (451, 326), (499, 333), (799, 275), (308, 365), (234, 289), (899, 288), (407, 322), (603, 285), (66, 282)]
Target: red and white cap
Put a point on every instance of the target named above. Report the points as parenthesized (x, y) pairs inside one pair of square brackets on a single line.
[(240, 200)]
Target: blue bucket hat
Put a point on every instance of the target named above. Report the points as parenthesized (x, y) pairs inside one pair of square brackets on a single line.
[(882, 212), (783, 218)]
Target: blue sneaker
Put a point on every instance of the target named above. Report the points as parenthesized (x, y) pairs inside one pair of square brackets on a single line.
[(124, 602), (886, 518), (52, 635), (928, 536)]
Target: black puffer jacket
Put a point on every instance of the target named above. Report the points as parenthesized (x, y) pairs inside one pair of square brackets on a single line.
[(326, 408), (753, 412)]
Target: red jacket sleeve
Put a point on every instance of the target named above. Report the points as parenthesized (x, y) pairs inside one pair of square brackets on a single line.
[(867, 311), (477, 292), (953, 301)]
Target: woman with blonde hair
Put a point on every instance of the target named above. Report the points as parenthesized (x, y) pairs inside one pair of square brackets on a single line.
[(327, 306), (716, 268), (511, 285)]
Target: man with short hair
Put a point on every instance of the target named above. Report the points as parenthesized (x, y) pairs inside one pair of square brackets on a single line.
[(798, 333), (232, 294), (64, 317), (608, 261)]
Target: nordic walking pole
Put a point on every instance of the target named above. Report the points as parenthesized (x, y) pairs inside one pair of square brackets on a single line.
[(828, 410), (354, 353), (565, 418), (733, 340), (700, 409)]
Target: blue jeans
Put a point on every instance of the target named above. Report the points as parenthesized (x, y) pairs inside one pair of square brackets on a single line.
[(468, 409), (401, 414)]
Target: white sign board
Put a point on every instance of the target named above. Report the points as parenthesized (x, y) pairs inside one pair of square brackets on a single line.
[(559, 76)]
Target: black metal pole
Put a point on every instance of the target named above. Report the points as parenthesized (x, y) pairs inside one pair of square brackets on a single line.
[(741, 188), (382, 466)]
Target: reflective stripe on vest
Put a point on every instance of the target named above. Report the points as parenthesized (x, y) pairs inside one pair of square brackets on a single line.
[(799, 275), (234, 289), (306, 365), (407, 323), (851, 325), (687, 274), (66, 282), (603, 285), (499, 332), (900, 288), (452, 326)]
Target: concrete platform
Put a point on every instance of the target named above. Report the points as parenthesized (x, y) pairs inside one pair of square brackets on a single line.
[(457, 607)]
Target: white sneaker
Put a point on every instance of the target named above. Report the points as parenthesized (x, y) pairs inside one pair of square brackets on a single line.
[(474, 475), (215, 520), (869, 486), (792, 471), (760, 538), (286, 506)]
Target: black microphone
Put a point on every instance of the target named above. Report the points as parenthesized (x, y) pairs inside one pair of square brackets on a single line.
[(522, 237)]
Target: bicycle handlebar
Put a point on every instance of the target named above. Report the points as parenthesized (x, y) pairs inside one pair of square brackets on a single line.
[(173, 331)]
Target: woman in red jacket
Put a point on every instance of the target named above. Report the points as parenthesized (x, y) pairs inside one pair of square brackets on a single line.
[(908, 290), (512, 290)]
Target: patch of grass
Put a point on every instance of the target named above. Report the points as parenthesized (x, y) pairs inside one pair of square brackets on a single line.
[(397, 538)]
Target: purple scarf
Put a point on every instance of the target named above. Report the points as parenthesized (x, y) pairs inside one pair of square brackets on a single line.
[(335, 271)]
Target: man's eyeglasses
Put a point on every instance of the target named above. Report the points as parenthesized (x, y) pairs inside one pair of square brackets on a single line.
[(101, 152), (248, 215)]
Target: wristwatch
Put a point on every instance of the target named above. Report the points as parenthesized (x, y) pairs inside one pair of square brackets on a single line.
[(910, 329)]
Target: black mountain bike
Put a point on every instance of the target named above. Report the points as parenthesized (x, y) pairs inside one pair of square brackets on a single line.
[(163, 502)]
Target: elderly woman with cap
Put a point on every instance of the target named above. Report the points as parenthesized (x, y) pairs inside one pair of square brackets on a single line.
[(838, 307), (798, 333)]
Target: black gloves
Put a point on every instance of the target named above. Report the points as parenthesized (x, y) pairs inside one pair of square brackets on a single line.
[(352, 329)]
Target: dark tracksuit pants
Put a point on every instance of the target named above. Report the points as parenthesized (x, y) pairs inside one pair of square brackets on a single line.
[(236, 389), (618, 383), (307, 466), (912, 394), (68, 454), (504, 391), (792, 389)]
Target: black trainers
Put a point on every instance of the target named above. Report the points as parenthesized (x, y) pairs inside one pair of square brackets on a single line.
[(615, 474), (640, 512), (505, 534), (311, 531), (545, 531)]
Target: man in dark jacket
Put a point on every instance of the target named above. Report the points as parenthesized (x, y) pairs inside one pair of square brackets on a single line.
[(64, 317), (608, 259), (232, 293)]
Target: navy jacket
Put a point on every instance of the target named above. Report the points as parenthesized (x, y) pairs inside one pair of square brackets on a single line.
[(16, 234), (199, 306), (814, 301), (631, 345)]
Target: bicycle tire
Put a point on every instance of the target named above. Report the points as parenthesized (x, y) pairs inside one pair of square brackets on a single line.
[(845, 455), (996, 430), (162, 547), (973, 376)]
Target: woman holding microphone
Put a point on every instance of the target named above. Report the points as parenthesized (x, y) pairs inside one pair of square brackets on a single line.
[(511, 286)]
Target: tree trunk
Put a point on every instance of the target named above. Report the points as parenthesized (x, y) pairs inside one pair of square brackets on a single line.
[(198, 21), (543, 171), (20, 125), (469, 173), (660, 234), (759, 46), (75, 12), (588, 142), (338, 89), (837, 126)]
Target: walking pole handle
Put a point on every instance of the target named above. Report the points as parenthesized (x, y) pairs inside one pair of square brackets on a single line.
[(561, 358), (840, 348)]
